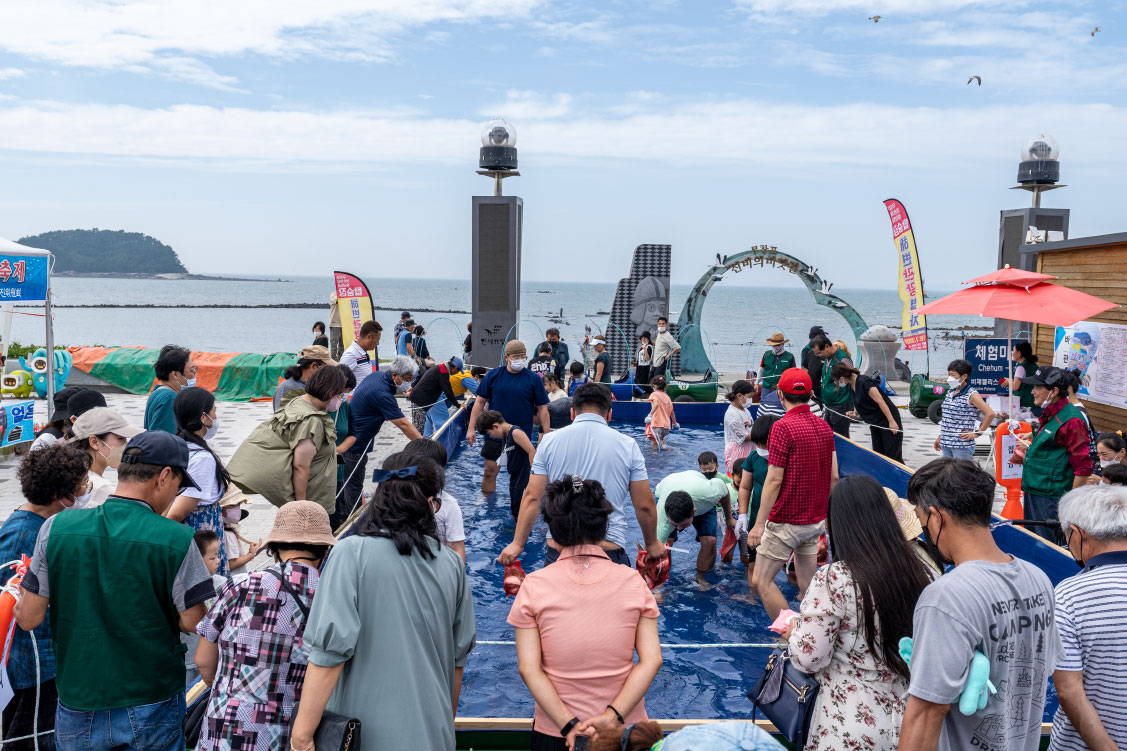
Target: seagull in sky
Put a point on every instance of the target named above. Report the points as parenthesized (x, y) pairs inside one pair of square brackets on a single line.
[(876, 19), (1095, 30), (975, 78)]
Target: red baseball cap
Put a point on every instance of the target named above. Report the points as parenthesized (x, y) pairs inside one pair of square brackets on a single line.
[(795, 381)]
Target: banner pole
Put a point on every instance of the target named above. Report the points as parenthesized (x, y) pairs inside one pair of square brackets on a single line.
[(50, 338)]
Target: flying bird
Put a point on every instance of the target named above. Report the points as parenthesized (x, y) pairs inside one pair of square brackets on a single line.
[(975, 78), (876, 19), (1095, 30)]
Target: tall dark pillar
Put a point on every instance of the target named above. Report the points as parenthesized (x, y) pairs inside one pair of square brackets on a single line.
[(497, 225)]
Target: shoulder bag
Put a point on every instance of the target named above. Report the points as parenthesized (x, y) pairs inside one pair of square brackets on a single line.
[(335, 732), (786, 696)]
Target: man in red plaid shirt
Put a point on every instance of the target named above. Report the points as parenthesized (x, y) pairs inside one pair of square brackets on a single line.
[(792, 514)]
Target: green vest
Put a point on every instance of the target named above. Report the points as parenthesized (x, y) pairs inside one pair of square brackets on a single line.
[(1026, 390), (1046, 471), (115, 625), (773, 367), (831, 394)]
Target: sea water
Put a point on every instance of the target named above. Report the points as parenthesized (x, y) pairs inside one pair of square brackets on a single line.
[(707, 682), (736, 319)]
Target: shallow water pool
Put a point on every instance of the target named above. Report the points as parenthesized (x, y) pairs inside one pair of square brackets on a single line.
[(707, 682)]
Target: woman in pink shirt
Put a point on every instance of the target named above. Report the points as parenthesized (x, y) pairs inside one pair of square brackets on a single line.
[(578, 623)]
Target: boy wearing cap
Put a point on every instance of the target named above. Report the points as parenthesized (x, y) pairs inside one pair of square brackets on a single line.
[(520, 397), (1057, 457), (802, 469), (774, 362), (356, 357), (123, 582)]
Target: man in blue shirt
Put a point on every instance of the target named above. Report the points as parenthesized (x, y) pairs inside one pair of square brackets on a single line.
[(403, 339), (519, 395), (559, 352), (373, 403)]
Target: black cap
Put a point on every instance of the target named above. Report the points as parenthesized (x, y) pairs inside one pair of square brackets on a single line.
[(84, 401), (162, 449), (1049, 377), (405, 314), (60, 402)]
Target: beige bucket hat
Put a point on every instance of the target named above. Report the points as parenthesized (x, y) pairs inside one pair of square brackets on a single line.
[(303, 522)]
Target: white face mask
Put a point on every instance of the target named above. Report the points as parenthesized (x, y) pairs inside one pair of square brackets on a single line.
[(233, 514), (762, 452), (953, 382), (661, 328), (213, 429), (403, 386), (777, 349), (842, 383), (113, 458), (334, 403), (1105, 465), (518, 365), (82, 501)]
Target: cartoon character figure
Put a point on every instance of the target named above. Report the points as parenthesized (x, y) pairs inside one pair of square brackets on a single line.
[(18, 384), (978, 687), (38, 368)]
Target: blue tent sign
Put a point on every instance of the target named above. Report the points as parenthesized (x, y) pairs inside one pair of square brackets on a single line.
[(990, 362), (23, 278), (16, 422)]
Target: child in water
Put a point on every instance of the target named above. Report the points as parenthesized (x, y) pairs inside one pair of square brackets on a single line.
[(661, 418)]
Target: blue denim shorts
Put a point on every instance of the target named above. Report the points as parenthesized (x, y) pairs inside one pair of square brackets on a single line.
[(146, 727)]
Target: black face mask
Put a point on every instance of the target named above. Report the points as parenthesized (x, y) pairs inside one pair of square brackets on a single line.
[(1078, 558), (933, 546), (709, 475)]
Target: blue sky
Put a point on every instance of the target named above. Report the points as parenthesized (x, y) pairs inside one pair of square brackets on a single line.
[(283, 136)]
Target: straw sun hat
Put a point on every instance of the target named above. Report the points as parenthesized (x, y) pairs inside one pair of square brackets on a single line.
[(905, 515), (303, 522)]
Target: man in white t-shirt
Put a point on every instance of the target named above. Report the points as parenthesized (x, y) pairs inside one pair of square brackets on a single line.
[(665, 347), (356, 356)]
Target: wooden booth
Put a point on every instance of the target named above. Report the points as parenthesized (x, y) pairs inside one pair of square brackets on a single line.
[(1098, 266)]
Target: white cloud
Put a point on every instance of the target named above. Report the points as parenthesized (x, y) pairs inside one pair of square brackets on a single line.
[(8, 73), (823, 7), (769, 137), (159, 35), (529, 105)]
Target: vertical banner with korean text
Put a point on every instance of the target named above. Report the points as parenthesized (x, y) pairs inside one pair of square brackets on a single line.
[(354, 303), (913, 327)]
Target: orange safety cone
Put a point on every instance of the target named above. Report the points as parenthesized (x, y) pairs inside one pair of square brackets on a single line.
[(1006, 472)]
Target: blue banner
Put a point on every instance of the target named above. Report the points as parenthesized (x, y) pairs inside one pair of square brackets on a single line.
[(23, 278), (17, 422), (989, 361)]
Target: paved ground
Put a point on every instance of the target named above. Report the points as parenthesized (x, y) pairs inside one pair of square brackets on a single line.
[(238, 419)]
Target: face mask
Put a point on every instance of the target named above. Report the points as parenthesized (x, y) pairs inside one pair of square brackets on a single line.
[(233, 514), (334, 403), (1105, 465), (709, 475), (762, 452), (190, 382), (933, 546), (777, 349), (518, 365), (661, 328), (403, 386), (953, 382), (211, 431), (113, 458), (842, 383)]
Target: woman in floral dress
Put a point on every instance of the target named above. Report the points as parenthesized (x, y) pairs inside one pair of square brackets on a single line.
[(852, 619)]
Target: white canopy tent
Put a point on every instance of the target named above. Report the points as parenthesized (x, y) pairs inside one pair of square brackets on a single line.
[(7, 247)]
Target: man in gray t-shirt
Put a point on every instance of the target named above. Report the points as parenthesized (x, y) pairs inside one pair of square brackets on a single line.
[(991, 602)]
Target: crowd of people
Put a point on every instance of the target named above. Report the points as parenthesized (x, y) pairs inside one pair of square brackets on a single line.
[(377, 624)]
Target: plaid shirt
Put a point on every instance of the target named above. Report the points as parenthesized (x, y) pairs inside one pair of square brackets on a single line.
[(17, 537), (803, 446)]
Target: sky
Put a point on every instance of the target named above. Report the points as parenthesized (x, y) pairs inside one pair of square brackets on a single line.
[(287, 136)]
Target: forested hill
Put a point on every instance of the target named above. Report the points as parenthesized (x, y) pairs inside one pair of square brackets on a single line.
[(86, 251)]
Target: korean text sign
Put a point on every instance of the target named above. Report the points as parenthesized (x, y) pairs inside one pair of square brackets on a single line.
[(23, 277), (989, 362), (913, 326)]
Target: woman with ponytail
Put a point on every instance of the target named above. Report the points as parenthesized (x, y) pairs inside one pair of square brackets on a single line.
[(578, 624), (196, 422), (392, 622)]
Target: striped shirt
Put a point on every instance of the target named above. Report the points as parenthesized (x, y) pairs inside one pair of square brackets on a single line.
[(1091, 615), (959, 416)]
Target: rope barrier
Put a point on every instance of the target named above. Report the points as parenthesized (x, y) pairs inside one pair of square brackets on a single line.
[(717, 645)]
